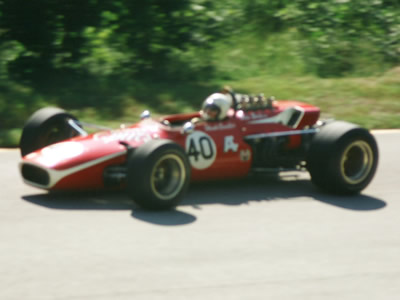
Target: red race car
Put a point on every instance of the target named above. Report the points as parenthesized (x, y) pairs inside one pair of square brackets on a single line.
[(233, 135)]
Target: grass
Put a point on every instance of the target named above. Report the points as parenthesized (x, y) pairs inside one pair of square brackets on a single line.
[(372, 102), (273, 66)]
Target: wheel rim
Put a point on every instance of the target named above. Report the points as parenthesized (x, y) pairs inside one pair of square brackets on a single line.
[(168, 177), (357, 161)]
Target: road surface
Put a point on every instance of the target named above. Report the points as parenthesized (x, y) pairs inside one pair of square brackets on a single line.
[(259, 238)]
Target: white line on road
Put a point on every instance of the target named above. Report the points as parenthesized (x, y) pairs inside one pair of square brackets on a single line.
[(7, 149)]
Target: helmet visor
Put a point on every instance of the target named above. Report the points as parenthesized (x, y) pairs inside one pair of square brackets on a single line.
[(211, 112)]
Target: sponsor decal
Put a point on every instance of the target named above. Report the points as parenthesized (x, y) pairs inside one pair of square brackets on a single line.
[(219, 127), (126, 135), (245, 155), (229, 144), (201, 150), (251, 116), (256, 116)]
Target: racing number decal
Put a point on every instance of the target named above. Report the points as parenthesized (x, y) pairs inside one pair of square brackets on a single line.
[(206, 151), (201, 150)]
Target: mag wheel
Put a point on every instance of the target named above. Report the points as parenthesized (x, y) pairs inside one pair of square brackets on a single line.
[(158, 174), (167, 177), (357, 162), (46, 126), (342, 158)]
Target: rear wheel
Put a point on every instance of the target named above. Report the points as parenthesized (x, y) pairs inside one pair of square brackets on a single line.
[(357, 162), (46, 126), (342, 158), (158, 174)]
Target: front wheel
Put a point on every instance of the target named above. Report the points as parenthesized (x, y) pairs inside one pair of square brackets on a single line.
[(46, 126), (158, 174), (342, 158)]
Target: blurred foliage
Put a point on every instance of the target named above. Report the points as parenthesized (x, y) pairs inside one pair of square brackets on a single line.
[(338, 32), (43, 38), (93, 53)]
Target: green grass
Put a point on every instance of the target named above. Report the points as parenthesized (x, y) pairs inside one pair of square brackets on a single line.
[(372, 102), (250, 64)]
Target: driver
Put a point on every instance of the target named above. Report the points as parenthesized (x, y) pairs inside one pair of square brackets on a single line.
[(216, 107)]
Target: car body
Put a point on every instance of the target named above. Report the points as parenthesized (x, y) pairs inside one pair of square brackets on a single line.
[(257, 135)]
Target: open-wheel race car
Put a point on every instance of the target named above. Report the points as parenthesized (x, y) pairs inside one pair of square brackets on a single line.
[(232, 136)]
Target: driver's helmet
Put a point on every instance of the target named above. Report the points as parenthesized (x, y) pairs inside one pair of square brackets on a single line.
[(216, 107)]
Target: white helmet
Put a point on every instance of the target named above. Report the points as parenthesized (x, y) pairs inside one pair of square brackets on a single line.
[(216, 107)]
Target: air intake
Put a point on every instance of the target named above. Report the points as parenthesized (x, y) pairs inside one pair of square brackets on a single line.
[(35, 174)]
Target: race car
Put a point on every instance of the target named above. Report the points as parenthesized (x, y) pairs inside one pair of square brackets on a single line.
[(233, 135)]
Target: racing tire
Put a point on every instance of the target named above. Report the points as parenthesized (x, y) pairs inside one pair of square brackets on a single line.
[(342, 158), (46, 126), (158, 175)]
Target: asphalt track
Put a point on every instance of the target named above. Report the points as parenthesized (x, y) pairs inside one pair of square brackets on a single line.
[(259, 238)]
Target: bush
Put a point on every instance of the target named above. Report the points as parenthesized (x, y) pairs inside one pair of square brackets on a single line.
[(337, 32)]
